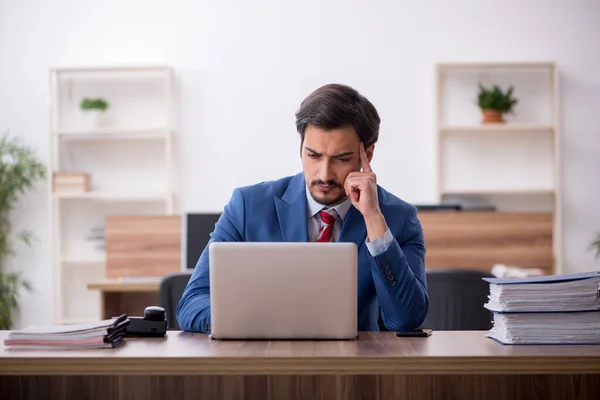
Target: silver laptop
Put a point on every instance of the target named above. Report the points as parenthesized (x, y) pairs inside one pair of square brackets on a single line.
[(301, 290)]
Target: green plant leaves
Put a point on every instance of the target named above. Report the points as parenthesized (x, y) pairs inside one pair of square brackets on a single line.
[(595, 245), (494, 98), (26, 237), (20, 169), (9, 297), (94, 104)]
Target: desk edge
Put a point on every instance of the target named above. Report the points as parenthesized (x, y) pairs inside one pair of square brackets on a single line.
[(533, 365)]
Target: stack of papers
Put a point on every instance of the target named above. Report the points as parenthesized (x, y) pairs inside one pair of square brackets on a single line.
[(97, 335), (557, 309)]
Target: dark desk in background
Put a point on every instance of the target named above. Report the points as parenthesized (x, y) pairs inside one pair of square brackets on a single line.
[(447, 365)]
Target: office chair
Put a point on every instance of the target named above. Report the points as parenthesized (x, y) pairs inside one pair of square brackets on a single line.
[(171, 290), (456, 300)]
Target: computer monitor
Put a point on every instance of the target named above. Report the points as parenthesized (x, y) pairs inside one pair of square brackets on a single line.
[(197, 229)]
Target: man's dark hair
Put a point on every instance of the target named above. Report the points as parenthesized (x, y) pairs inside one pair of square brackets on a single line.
[(336, 106)]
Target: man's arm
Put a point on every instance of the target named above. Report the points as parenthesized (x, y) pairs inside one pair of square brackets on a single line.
[(399, 270), (193, 310), (399, 276)]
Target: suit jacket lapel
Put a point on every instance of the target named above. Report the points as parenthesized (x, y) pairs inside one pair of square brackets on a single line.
[(291, 211), (354, 228)]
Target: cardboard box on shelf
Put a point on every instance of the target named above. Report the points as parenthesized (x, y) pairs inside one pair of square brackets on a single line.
[(71, 182)]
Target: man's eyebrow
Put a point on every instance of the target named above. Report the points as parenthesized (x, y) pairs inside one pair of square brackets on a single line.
[(345, 154), (311, 150)]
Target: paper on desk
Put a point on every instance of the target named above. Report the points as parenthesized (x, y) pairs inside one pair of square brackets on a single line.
[(101, 334), (558, 309)]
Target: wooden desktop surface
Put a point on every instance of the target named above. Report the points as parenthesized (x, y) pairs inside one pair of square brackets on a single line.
[(448, 365), (445, 352)]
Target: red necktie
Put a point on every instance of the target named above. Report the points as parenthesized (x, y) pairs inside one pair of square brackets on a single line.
[(328, 218)]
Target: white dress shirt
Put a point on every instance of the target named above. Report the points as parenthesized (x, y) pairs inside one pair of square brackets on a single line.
[(375, 247)]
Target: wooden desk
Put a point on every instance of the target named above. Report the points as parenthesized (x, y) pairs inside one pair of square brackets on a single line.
[(447, 365), (129, 298)]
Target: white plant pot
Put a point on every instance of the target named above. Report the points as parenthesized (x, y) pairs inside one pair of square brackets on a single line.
[(92, 119)]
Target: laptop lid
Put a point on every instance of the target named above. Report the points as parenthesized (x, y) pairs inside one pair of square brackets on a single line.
[(283, 290)]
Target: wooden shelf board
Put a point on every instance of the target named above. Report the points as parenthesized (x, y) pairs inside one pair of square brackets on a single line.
[(500, 128), (113, 134), (495, 65), (83, 261), (113, 68), (107, 196), (118, 285), (498, 192)]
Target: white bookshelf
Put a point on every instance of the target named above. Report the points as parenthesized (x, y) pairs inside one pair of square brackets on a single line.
[(514, 166), (129, 158)]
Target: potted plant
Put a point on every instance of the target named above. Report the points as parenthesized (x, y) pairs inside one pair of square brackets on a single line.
[(494, 103), (595, 245), (93, 109), (19, 171)]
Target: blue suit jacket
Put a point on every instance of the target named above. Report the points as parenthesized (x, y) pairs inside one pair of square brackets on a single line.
[(276, 211)]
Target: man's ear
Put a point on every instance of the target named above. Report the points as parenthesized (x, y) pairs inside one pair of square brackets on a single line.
[(369, 152)]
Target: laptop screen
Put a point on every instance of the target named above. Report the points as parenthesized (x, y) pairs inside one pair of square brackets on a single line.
[(198, 227)]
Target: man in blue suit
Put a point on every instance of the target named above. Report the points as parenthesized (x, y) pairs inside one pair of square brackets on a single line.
[(335, 198)]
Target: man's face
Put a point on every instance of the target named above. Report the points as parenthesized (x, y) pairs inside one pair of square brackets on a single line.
[(327, 159)]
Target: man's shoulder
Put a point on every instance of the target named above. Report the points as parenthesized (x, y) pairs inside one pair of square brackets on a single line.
[(399, 214), (268, 188), (392, 203)]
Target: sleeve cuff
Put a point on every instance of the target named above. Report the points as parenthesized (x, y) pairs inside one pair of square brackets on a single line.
[(380, 245)]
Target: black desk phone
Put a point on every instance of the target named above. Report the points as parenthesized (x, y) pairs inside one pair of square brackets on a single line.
[(152, 324)]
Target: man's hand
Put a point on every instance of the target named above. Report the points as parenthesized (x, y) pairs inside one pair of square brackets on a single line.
[(361, 188)]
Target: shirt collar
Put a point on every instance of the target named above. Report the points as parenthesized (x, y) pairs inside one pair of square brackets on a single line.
[(313, 207)]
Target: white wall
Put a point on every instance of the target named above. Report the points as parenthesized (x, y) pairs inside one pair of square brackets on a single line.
[(245, 66)]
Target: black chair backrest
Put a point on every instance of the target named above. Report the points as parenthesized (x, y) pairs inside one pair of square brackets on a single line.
[(171, 290), (456, 300), (198, 227)]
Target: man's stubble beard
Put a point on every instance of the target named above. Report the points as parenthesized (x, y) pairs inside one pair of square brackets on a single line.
[(325, 201)]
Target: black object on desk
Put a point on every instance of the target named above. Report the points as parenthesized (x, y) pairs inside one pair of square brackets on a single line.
[(438, 207), (415, 333), (152, 324)]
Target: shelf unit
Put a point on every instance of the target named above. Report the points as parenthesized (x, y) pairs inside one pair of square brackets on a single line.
[(512, 166), (130, 161)]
